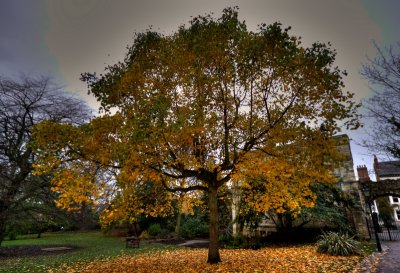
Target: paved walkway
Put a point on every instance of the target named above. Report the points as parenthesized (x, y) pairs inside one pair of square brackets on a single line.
[(389, 260), (196, 243)]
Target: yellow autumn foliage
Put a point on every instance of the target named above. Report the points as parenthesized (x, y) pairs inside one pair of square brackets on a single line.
[(272, 259)]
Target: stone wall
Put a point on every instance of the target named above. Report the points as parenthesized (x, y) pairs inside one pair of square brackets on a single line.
[(347, 182)]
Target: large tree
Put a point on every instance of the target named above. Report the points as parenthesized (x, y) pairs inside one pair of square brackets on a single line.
[(24, 103), (209, 104), (383, 74)]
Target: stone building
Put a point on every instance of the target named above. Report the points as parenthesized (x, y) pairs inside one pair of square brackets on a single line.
[(389, 170), (348, 183)]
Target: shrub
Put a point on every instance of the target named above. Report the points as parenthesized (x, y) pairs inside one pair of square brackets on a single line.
[(164, 233), (12, 235), (338, 244), (194, 227), (13, 231), (229, 241), (154, 229), (225, 238)]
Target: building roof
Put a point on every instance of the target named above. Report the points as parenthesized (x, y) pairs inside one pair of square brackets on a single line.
[(388, 169)]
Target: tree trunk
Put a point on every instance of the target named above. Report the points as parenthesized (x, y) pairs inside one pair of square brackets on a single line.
[(3, 220), (2, 229), (178, 224), (213, 249), (39, 235)]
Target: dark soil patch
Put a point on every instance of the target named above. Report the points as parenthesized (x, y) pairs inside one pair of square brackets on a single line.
[(27, 251)]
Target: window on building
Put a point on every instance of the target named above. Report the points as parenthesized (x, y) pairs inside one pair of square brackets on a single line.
[(373, 207), (395, 199), (398, 214)]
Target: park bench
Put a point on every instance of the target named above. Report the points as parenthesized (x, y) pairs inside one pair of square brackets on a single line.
[(132, 241)]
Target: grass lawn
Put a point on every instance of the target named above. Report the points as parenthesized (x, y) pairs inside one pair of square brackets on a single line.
[(97, 253), (91, 246)]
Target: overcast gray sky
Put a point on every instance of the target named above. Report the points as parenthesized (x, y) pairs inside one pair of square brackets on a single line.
[(64, 38)]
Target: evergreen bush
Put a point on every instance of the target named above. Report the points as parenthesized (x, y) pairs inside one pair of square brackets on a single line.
[(194, 227), (338, 244), (154, 229)]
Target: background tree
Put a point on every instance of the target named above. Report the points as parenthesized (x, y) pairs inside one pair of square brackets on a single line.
[(37, 215), (24, 103), (329, 210), (212, 103), (386, 210), (383, 74)]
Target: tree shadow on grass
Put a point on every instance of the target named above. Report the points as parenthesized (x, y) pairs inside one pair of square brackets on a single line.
[(28, 251)]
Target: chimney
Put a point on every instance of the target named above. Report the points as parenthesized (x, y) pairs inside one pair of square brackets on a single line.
[(363, 175), (376, 167)]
